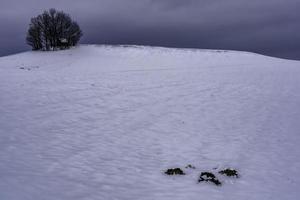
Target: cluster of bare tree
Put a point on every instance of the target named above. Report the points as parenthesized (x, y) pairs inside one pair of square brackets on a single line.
[(53, 30)]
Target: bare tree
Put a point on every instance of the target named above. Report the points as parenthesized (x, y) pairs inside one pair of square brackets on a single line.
[(53, 30)]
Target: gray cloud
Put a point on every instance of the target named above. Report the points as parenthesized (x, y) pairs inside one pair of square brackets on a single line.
[(269, 27)]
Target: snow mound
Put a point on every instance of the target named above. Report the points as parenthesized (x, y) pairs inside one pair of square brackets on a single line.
[(105, 122)]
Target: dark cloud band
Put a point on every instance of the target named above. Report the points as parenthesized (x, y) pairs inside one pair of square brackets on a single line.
[(268, 27)]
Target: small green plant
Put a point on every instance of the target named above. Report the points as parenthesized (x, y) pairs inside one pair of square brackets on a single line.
[(229, 172), (174, 171), (209, 177)]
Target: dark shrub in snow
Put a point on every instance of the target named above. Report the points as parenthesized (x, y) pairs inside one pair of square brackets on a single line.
[(175, 171), (209, 177), (229, 172)]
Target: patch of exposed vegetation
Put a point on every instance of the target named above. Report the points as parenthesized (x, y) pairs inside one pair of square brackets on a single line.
[(209, 177), (229, 172), (174, 171), (206, 176)]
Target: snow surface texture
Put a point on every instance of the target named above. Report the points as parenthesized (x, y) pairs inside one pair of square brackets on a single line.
[(105, 122)]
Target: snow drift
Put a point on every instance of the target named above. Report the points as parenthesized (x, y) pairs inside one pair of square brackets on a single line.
[(105, 122)]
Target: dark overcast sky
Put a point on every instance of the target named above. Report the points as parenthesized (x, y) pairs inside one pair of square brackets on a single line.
[(270, 27)]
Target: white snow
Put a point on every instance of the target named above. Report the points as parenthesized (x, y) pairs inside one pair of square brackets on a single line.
[(105, 122)]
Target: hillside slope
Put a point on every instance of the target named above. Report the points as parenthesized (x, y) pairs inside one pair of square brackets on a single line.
[(105, 122)]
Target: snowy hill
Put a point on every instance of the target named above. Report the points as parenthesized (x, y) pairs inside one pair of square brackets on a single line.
[(105, 122)]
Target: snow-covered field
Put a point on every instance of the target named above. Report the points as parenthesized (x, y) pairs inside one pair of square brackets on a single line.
[(105, 122)]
